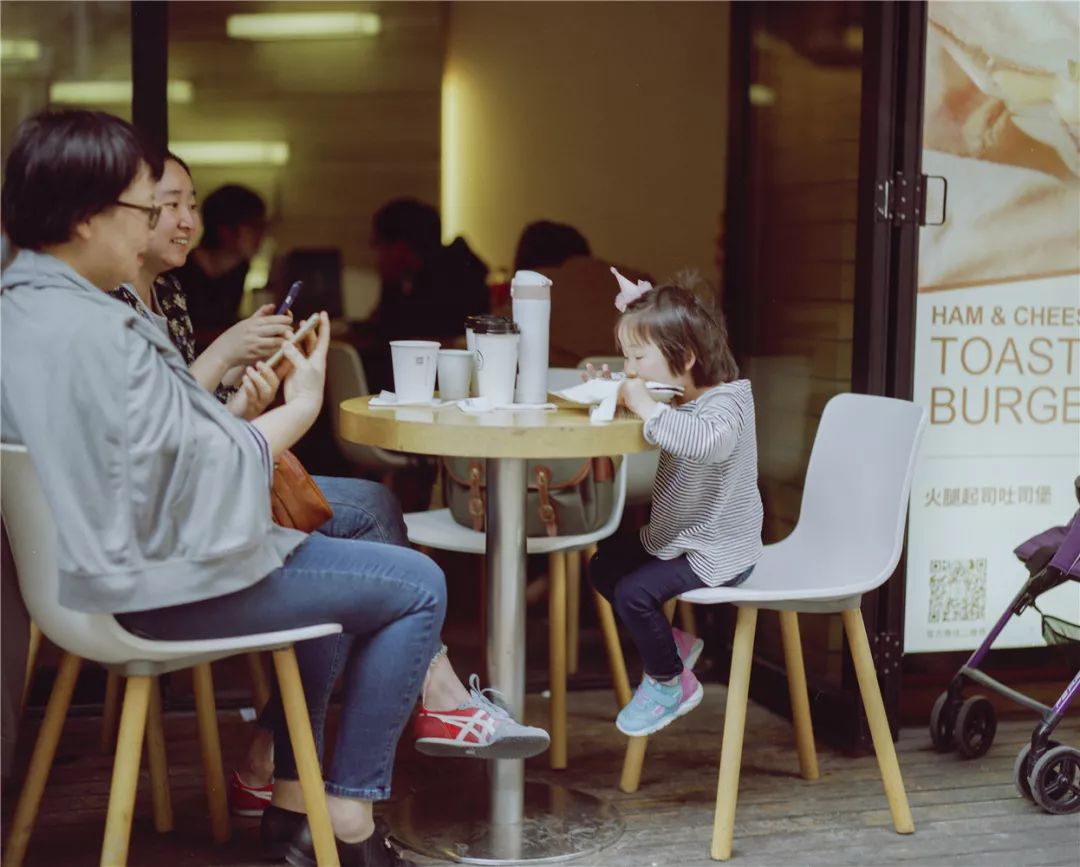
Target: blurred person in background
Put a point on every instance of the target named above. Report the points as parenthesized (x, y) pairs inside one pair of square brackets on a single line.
[(234, 223), (427, 289)]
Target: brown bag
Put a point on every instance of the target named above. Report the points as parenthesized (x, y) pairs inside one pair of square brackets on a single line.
[(295, 499), (566, 496)]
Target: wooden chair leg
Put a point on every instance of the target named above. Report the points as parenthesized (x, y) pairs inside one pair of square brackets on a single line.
[(125, 776), (110, 712), (22, 823), (557, 657), (32, 647), (800, 702), (687, 620), (879, 722), (210, 746), (260, 684), (158, 762), (633, 762), (307, 759), (573, 610), (738, 692), (669, 608), (616, 661)]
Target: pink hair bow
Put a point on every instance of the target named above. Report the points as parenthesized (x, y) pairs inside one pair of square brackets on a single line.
[(629, 292)]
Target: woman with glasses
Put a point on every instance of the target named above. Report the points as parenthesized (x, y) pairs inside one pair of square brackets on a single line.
[(161, 495)]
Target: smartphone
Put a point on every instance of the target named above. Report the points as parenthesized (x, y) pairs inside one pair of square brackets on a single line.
[(290, 298), (309, 325)]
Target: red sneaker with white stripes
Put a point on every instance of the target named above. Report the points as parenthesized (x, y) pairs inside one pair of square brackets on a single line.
[(480, 728)]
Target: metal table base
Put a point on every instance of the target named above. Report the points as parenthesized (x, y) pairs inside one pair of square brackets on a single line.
[(509, 821), (558, 824)]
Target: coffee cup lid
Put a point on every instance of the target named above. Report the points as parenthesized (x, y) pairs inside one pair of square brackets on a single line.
[(495, 325), (471, 321)]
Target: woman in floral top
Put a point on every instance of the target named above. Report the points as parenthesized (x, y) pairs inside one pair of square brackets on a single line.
[(158, 297)]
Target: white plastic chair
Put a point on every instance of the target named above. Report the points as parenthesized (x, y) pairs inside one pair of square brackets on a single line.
[(847, 542), (345, 379), (438, 529), (100, 638)]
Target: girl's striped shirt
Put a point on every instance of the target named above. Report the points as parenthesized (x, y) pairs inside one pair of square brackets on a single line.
[(706, 503)]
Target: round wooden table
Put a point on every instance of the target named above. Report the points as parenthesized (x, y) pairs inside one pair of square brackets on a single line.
[(516, 822)]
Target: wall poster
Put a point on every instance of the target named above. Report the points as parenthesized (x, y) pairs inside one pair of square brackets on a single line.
[(997, 359)]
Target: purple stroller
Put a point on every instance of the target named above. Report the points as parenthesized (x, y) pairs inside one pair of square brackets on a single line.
[(1045, 771)]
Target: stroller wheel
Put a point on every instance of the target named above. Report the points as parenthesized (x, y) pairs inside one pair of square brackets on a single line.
[(942, 718), (1022, 768), (976, 725), (1055, 780)]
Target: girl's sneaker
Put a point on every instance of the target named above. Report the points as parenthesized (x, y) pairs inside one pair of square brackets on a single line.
[(656, 704), (481, 729), (689, 647)]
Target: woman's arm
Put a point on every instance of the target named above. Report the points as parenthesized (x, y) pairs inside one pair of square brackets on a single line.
[(248, 341)]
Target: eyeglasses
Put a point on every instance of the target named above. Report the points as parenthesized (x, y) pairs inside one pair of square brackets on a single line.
[(153, 212)]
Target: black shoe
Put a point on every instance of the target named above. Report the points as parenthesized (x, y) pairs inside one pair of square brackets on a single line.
[(277, 830), (375, 851)]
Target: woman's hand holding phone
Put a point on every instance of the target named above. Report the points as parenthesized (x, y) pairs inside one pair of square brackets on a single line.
[(254, 338), (305, 376), (256, 392)]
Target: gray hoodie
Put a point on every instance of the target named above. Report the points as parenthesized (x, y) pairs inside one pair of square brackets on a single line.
[(160, 495)]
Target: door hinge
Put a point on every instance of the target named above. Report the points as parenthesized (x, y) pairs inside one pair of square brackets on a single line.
[(902, 199)]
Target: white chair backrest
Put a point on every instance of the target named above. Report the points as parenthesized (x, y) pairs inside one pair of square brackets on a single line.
[(563, 377), (344, 374), (857, 484), (32, 533), (345, 378)]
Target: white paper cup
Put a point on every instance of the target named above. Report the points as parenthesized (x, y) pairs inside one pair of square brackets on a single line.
[(496, 366), (414, 369), (455, 372)]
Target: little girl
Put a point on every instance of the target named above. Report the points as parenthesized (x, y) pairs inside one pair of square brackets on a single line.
[(705, 526)]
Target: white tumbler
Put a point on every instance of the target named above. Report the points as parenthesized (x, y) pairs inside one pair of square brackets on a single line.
[(496, 360), (531, 293)]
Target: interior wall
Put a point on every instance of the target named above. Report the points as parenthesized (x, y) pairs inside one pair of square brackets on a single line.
[(609, 116)]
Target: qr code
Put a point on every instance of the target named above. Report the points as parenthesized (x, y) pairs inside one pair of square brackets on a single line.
[(957, 590)]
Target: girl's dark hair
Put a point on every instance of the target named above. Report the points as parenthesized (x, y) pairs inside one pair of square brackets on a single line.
[(682, 326), (66, 167), (545, 244)]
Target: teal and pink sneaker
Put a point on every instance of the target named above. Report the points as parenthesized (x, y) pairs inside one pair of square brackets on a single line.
[(689, 647), (656, 704)]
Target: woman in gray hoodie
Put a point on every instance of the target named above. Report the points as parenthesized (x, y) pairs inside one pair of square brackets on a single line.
[(161, 495)]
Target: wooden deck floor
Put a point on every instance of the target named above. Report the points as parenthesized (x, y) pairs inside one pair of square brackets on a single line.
[(965, 812)]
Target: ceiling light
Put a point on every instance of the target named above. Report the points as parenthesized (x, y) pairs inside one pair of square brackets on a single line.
[(109, 92), (19, 50), (303, 25), (232, 153)]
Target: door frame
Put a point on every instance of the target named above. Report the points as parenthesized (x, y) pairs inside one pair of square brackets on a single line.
[(894, 47)]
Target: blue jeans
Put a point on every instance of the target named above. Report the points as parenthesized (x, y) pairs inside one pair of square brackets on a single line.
[(362, 510), (390, 601), (637, 585)]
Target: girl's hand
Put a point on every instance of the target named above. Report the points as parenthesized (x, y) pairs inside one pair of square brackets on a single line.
[(635, 396), (254, 338), (256, 391), (305, 376), (591, 372)]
